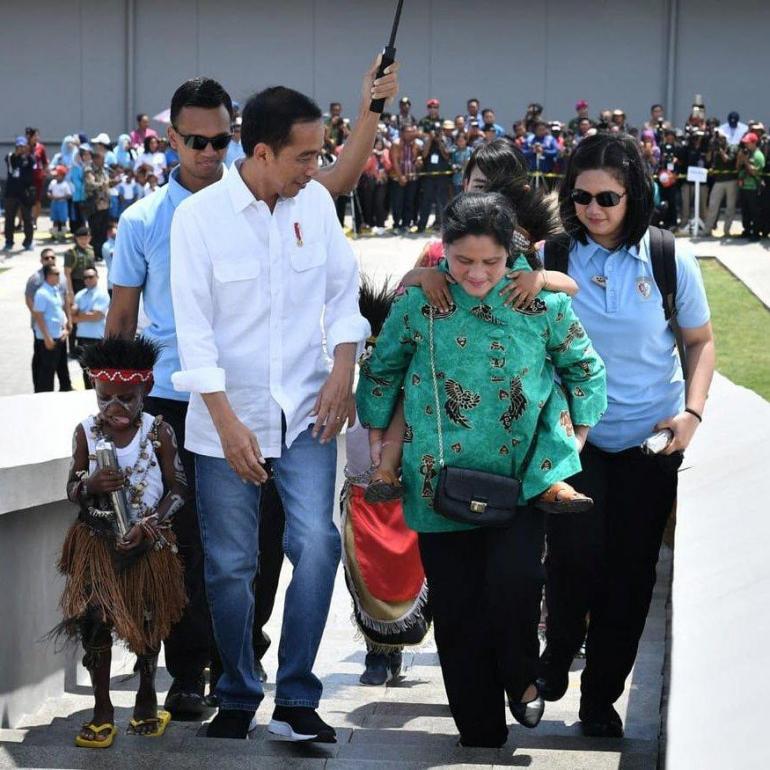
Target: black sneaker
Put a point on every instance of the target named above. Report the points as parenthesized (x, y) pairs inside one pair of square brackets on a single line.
[(231, 723), (299, 723), (185, 699), (600, 722)]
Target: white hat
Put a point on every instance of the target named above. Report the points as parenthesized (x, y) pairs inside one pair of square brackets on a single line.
[(101, 139)]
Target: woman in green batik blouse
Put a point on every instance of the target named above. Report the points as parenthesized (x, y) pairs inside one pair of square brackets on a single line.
[(494, 367)]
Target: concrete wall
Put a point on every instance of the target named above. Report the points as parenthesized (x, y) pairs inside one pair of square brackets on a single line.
[(717, 714), (505, 53), (34, 460)]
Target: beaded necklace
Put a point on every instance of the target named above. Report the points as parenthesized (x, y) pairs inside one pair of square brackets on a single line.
[(135, 477)]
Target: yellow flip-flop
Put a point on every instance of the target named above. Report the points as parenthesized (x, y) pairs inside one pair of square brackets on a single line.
[(91, 743), (161, 723)]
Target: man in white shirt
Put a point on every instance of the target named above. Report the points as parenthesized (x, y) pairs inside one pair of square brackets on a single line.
[(733, 129), (260, 272)]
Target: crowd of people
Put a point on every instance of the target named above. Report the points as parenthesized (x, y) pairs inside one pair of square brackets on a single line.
[(223, 413)]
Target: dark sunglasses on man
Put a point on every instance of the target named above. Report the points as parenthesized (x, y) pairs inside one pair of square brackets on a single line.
[(606, 199), (199, 142)]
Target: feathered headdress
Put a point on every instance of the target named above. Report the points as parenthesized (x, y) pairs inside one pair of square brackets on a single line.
[(374, 304), (114, 359)]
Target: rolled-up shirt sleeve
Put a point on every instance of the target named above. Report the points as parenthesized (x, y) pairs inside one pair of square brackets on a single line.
[(191, 293), (343, 321)]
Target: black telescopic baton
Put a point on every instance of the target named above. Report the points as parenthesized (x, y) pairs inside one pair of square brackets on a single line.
[(388, 57)]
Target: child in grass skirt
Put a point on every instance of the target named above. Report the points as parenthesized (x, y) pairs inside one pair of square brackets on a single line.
[(130, 586)]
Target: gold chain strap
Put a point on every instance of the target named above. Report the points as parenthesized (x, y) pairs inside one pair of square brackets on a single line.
[(435, 389)]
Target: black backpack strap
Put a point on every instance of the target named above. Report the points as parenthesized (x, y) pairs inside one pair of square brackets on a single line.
[(663, 258), (556, 254)]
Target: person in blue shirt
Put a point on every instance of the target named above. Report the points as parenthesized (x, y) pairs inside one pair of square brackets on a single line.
[(541, 149), (89, 312), (108, 250), (601, 564), (51, 330), (234, 149), (488, 118)]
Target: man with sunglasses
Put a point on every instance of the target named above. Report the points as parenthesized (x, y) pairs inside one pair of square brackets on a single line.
[(34, 282), (201, 118)]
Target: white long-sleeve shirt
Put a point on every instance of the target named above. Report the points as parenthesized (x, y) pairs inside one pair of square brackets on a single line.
[(254, 292)]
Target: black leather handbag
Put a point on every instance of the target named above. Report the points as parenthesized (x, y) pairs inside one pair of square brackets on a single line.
[(468, 496)]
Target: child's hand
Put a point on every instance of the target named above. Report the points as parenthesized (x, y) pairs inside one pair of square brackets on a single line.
[(104, 481), (375, 445), (435, 284), (133, 538), (524, 287)]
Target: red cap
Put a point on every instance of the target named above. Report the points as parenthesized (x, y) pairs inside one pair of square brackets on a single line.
[(750, 138), (432, 103), (581, 105)]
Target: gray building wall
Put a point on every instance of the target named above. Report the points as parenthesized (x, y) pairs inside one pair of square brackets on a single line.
[(610, 52)]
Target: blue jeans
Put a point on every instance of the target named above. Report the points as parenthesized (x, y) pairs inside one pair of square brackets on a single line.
[(228, 511)]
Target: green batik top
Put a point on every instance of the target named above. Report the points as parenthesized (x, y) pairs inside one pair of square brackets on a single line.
[(500, 409)]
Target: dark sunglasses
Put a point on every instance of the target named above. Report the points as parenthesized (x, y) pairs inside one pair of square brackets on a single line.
[(49, 256), (198, 142), (606, 199)]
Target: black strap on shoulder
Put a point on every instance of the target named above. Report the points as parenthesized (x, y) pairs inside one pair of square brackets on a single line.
[(663, 257), (556, 254)]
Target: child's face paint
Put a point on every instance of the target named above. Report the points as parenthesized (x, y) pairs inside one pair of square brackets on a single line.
[(119, 402)]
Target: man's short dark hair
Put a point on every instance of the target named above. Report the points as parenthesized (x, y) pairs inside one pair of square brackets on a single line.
[(618, 155), (335, 104), (656, 106), (46, 250), (470, 101), (269, 115), (200, 92), (486, 110)]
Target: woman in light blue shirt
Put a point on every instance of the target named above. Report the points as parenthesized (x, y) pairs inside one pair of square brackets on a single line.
[(601, 564)]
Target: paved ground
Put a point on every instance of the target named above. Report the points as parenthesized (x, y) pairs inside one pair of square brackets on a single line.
[(402, 726)]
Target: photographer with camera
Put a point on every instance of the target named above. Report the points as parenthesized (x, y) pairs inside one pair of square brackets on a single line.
[(667, 177), (541, 150), (751, 164), (19, 192), (436, 163), (721, 159), (693, 154)]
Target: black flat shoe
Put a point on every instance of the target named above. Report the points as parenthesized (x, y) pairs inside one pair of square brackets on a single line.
[(528, 714), (553, 687), (600, 722), (185, 700)]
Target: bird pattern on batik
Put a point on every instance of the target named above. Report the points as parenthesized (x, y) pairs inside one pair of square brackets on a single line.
[(438, 315), (459, 400), (484, 313), (517, 403), (575, 332)]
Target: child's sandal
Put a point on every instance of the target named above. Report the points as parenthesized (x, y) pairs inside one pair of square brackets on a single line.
[(97, 730), (563, 498)]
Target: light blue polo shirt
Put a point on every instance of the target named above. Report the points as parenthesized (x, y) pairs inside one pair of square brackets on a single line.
[(621, 308), (93, 300), (49, 302), (141, 259)]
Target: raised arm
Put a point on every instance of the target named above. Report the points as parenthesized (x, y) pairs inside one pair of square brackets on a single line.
[(341, 177)]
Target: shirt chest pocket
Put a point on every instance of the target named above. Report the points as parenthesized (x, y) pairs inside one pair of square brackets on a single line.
[(229, 269), (306, 257)]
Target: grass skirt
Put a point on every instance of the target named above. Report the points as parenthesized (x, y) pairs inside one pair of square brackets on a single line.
[(140, 597)]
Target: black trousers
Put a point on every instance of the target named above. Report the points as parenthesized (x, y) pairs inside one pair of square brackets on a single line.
[(48, 363), (435, 192), (97, 222), (485, 590), (602, 563), (12, 207), (189, 645), (750, 212), (62, 370), (402, 200)]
